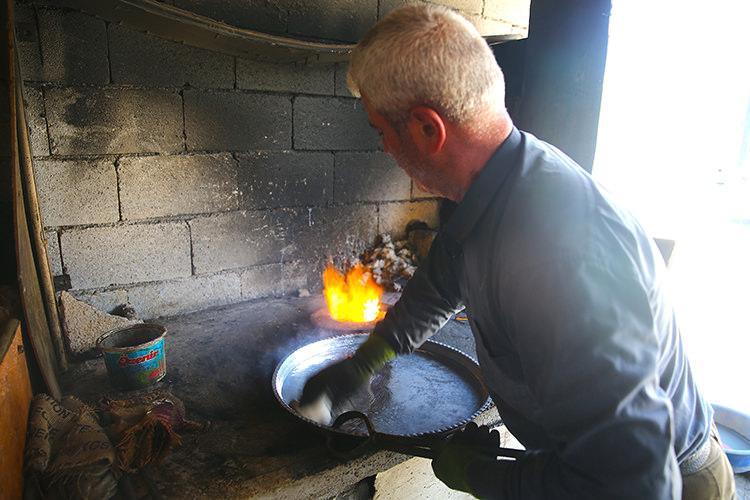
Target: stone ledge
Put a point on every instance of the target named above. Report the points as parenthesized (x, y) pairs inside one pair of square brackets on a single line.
[(220, 363)]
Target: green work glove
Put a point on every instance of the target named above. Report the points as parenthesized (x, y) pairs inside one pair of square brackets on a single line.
[(339, 381), (468, 446)]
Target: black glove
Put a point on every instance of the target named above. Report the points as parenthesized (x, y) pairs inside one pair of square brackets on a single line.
[(468, 446), (339, 381)]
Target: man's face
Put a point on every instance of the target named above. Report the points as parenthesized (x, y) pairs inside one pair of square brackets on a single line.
[(398, 143)]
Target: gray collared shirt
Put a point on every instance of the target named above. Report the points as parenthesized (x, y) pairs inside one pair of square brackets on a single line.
[(576, 337)]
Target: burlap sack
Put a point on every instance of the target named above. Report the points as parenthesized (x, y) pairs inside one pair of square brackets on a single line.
[(68, 454)]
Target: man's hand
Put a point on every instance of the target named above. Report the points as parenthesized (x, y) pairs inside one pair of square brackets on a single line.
[(328, 388), (334, 384), (472, 444)]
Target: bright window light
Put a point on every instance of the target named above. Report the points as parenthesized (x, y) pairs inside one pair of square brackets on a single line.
[(674, 146)]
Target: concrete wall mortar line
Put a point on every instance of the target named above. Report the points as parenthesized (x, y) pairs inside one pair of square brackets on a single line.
[(62, 259), (176, 88), (119, 187), (294, 102), (192, 152), (39, 44), (142, 222), (377, 210), (235, 73), (109, 57), (152, 220), (125, 287), (46, 124), (189, 217), (184, 128), (333, 186), (192, 252), (335, 79)]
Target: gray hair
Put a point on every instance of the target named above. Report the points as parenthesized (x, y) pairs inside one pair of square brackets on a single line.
[(426, 55)]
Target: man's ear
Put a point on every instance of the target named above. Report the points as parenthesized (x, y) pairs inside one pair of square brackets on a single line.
[(427, 129)]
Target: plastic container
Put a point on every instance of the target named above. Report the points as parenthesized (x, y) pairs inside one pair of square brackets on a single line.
[(734, 430), (134, 355)]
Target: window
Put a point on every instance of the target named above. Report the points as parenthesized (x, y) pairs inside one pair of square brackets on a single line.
[(674, 146)]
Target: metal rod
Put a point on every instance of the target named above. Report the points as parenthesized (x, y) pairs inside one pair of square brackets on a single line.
[(425, 447)]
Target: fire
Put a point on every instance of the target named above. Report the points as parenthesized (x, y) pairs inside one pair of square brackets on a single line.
[(354, 297)]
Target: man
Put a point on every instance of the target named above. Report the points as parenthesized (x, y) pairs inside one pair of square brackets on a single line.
[(575, 335)]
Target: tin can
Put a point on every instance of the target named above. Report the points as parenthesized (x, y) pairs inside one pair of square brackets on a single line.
[(134, 355)]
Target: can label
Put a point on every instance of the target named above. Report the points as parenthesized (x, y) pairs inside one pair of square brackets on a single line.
[(138, 368)]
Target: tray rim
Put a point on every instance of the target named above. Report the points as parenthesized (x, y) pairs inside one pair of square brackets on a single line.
[(431, 347)]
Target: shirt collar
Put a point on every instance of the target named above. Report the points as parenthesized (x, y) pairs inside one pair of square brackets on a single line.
[(484, 187)]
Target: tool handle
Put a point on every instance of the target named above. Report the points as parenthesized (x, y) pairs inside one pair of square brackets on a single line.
[(419, 447)]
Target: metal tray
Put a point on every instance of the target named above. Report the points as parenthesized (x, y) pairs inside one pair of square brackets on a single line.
[(433, 390)]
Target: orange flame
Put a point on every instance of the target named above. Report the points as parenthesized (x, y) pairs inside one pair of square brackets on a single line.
[(354, 297)]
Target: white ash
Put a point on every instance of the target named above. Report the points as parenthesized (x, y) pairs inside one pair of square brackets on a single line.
[(392, 263)]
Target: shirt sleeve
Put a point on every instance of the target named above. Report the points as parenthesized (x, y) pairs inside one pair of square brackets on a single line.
[(589, 349), (430, 298)]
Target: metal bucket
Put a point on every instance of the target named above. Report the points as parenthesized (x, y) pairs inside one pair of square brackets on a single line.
[(134, 355)]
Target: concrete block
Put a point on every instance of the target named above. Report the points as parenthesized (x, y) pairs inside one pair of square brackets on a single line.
[(285, 179), (112, 121), (296, 78), (512, 11), (36, 121), (27, 41), (265, 16), (84, 324), (332, 123), (53, 253), (143, 59), (372, 176), (273, 280), (74, 47), (106, 301), (158, 186), (487, 26), (387, 6), (341, 87), (342, 20), (98, 257), (237, 121), (465, 7), (340, 232), (184, 295), (394, 217), (74, 192), (244, 239), (251, 238)]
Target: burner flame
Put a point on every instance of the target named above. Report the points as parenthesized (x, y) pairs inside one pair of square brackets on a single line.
[(354, 297)]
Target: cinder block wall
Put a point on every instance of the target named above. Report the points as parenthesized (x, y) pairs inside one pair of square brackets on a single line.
[(175, 179)]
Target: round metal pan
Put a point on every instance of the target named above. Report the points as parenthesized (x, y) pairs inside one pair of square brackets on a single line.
[(433, 390)]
